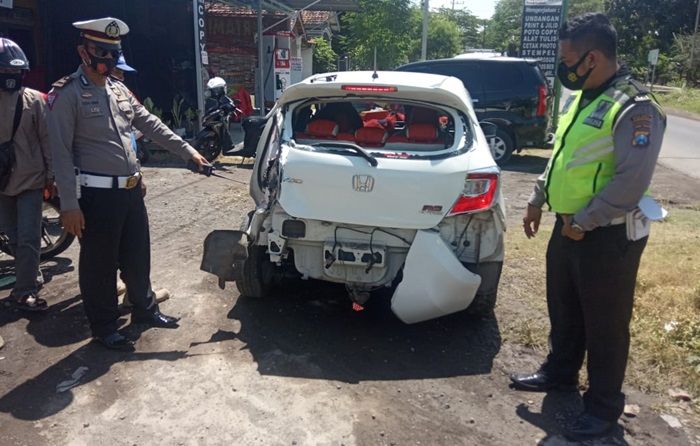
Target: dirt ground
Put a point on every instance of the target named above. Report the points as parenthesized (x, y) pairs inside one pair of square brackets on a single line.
[(298, 368)]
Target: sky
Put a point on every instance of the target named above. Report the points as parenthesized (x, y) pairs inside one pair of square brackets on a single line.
[(480, 8)]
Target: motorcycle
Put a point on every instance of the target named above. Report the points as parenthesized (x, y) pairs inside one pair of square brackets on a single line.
[(215, 137), (54, 238)]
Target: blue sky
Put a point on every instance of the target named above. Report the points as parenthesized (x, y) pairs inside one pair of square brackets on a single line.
[(480, 8)]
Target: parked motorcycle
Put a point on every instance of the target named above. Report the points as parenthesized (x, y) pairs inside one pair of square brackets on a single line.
[(215, 137), (54, 238)]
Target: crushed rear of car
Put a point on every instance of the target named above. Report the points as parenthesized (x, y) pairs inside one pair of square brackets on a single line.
[(372, 180)]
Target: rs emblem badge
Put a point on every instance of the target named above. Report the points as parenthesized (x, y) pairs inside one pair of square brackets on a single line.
[(362, 183)]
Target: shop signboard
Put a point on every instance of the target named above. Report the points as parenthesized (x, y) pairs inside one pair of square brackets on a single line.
[(540, 34)]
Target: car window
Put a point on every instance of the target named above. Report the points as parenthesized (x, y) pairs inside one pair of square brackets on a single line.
[(469, 73), (377, 124), (501, 76)]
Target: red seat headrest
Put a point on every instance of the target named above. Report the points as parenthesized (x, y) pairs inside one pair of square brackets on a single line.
[(322, 128), (422, 132), (370, 135)]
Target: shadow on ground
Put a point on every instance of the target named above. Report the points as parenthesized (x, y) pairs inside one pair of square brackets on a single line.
[(308, 330), (526, 163)]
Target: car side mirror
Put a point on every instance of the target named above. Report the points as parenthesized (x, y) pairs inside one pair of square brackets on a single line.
[(489, 129)]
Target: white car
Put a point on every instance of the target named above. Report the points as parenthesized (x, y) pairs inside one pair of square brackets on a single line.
[(372, 179)]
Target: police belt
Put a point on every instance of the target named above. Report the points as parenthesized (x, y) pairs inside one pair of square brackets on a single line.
[(109, 182)]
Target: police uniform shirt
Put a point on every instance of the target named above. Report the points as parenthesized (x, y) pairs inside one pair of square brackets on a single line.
[(635, 161), (90, 128)]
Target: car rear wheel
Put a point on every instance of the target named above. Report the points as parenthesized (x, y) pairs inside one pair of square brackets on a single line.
[(501, 147), (258, 273), (485, 300)]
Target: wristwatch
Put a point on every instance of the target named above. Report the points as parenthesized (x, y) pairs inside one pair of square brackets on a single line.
[(576, 227)]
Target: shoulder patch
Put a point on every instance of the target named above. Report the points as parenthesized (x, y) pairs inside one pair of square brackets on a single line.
[(51, 98), (62, 82), (641, 130), (642, 98)]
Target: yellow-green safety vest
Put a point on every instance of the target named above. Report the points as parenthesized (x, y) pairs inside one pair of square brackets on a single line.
[(583, 161)]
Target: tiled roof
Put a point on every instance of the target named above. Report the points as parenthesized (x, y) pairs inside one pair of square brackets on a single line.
[(226, 10), (315, 17)]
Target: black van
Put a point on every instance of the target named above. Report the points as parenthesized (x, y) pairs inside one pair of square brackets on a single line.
[(507, 91)]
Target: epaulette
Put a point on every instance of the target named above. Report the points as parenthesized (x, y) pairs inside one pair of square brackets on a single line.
[(62, 82)]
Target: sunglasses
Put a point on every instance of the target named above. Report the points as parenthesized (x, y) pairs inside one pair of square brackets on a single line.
[(100, 52)]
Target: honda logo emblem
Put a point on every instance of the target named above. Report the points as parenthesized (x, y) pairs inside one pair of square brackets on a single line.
[(363, 183)]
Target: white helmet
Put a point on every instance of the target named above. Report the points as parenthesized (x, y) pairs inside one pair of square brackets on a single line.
[(217, 87)]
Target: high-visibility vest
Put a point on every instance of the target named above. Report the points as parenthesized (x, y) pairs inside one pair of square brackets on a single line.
[(583, 161)]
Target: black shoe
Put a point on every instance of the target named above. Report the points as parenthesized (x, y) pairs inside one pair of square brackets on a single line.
[(156, 319), (540, 382), (587, 426), (115, 341)]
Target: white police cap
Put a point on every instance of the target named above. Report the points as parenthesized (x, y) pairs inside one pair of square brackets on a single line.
[(105, 32)]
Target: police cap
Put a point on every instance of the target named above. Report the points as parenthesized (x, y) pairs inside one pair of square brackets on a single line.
[(105, 32)]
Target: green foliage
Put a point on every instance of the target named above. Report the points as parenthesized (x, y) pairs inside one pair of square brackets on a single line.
[(469, 26), (443, 36), (383, 24), (152, 109), (680, 51), (176, 111), (325, 59), (643, 25)]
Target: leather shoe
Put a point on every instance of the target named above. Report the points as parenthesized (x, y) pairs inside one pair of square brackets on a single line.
[(541, 382), (156, 319), (587, 426), (115, 341)]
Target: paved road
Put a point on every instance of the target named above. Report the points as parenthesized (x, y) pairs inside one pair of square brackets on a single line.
[(681, 149)]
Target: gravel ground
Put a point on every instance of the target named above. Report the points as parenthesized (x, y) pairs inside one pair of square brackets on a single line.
[(298, 368)]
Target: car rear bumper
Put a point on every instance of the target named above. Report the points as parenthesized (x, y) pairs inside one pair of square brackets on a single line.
[(532, 133), (435, 283)]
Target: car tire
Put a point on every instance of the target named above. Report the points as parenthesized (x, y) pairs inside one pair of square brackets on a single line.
[(485, 300), (501, 147), (258, 273)]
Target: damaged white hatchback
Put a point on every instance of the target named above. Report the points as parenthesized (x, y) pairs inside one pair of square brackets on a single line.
[(372, 180)]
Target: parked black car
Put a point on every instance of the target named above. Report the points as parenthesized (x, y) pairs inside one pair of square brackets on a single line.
[(509, 92)]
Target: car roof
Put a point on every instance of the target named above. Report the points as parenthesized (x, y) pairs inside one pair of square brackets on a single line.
[(474, 56), (444, 90)]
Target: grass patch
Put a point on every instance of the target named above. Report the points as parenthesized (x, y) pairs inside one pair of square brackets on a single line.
[(665, 330), (687, 100)]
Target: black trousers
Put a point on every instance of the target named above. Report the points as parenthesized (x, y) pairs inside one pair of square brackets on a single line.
[(590, 294), (116, 233)]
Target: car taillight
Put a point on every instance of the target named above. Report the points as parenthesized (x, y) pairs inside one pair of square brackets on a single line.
[(542, 101), (478, 194), (370, 88)]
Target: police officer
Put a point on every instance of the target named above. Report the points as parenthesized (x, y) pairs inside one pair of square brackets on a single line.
[(22, 180), (607, 144), (90, 121)]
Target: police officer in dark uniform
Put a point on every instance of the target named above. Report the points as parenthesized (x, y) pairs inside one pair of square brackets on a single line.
[(90, 122), (607, 144)]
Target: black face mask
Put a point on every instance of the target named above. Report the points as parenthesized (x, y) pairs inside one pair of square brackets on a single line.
[(10, 81), (568, 77), (103, 65)]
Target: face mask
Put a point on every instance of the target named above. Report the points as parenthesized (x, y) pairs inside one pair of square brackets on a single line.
[(103, 65), (10, 81), (568, 77)]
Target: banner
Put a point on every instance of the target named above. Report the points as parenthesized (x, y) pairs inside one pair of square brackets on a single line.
[(540, 36)]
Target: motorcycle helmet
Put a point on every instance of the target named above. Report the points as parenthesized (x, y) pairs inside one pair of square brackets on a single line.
[(217, 87), (14, 64)]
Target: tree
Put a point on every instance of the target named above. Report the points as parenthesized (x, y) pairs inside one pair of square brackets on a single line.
[(643, 25), (443, 35), (470, 26), (325, 59), (382, 24)]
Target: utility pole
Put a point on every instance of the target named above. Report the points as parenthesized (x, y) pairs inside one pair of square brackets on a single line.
[(261, 71), (557, 84), (694, 38), (424, 39)]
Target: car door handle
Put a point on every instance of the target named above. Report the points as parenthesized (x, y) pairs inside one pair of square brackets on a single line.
[(475, 101)]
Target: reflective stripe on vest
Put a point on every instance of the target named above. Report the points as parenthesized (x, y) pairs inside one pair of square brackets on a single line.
[(583, 160)]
